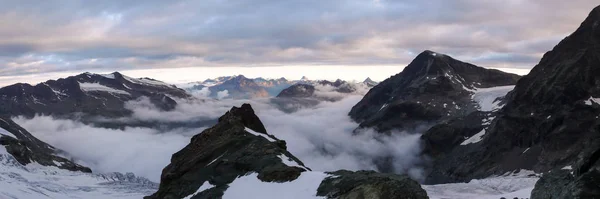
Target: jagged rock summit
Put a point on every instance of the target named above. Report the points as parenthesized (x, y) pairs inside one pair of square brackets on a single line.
[(550, 122), (369, 82), (238, 152), (433, 87)]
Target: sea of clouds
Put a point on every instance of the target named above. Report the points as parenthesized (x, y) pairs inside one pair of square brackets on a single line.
[(323, 136)]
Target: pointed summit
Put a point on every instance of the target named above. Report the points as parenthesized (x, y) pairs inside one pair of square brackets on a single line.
[(304, 78), (423, 91), (369, 82)]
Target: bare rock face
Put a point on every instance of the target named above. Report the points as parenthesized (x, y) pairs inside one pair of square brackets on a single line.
[(434, 87), (26, 148), (550, 119), (236, 146)]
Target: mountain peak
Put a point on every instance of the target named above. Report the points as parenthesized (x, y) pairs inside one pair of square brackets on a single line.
[(304, 78)]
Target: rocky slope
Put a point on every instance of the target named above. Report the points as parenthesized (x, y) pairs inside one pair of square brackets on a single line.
[(27, 149), (434, 87), (87, 95), (550, 121), (238, 158)]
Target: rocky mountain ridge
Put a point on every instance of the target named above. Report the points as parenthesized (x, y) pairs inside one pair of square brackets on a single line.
[(434, 87)]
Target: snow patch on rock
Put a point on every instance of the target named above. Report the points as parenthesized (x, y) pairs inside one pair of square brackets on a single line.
[(89, 87), (486, 98), (475, 138), (250, 186), (592, 100), (205, 186), (259, 134)]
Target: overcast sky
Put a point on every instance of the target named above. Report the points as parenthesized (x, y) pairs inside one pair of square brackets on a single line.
[(220, 37)]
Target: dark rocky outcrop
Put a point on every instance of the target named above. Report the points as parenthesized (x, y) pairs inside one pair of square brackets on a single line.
[(550, 119), (370, 184), (225, 152), (239, 145), (26, 148), (560, 184), (432, 88)]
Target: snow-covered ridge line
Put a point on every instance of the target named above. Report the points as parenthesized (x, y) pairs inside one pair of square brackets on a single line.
[(146, 81)]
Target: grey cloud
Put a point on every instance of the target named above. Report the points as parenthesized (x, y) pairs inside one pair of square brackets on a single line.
[(150, 34), (308, 133)]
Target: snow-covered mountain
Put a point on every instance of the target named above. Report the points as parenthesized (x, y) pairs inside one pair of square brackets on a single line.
[(88, 97)]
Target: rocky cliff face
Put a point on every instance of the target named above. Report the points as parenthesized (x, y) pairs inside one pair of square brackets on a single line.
[(550, 119), (26, 148), (433, 87), (238, 150)]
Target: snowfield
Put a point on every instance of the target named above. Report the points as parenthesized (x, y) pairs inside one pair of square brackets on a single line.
[(40, 182), (512, 185), (486, 97), (251, 187)]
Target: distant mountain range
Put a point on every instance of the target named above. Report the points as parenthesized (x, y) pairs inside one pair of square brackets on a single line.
[(241, 87)]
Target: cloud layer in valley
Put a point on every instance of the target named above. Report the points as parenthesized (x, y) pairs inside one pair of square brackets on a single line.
[(42, 37), (321, 136)]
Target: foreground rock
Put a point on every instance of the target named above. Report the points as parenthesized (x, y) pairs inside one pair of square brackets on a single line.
[(563, 184), (432, 88), (369, 184), (550, 121), (238, 152), (27, 149)]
